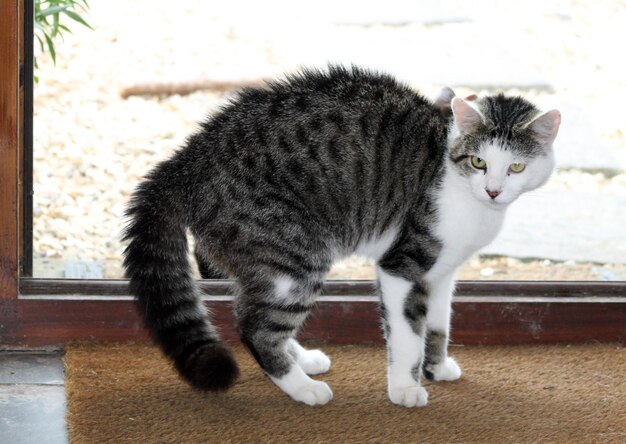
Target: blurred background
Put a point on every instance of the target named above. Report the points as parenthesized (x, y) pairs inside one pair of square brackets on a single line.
[(125, 94)]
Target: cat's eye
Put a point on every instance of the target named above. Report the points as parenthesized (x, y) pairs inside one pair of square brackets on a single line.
[(478, 163), (517, 167)]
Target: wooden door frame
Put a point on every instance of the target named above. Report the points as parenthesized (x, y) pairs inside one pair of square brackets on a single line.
[(10, 133), (49, 313)]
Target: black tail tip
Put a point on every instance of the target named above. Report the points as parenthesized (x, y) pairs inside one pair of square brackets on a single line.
[(211, 367)]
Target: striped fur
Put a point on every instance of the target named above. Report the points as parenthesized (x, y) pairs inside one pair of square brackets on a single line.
[(278, 185)]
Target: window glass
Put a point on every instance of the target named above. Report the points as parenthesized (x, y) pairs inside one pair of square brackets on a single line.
[(109, 110)]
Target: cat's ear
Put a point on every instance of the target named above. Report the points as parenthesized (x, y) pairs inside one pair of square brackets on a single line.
[(546, 126), (444, 99), (466, 117)]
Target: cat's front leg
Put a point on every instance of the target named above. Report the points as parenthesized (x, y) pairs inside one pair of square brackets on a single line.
[(438, 366), (404, 307), (313, 362)]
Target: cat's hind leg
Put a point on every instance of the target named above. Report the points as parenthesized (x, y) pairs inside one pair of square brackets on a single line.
[(269, 316)]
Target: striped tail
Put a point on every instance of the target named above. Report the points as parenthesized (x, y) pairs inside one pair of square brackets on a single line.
[(161, 279)]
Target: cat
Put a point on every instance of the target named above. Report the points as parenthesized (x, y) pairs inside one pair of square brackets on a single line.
[(285, 180)]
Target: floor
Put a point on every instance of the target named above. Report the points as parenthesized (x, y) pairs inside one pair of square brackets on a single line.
[(32, 398)]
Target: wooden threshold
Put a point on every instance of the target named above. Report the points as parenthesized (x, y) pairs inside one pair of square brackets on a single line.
[(507, 289), (50, 313)]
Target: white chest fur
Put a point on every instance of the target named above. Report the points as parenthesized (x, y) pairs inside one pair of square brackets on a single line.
[(464, 225)]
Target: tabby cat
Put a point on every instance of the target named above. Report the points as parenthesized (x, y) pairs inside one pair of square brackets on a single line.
[(285, 180)]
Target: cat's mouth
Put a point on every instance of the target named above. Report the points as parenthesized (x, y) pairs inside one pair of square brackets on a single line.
[(496, 202)]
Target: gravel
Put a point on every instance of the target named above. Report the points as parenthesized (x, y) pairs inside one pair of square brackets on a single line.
[(92, 146)]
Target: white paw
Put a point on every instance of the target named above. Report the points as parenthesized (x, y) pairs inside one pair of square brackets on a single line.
[(313, 362), (412, 396), (313, 393), (448, 370), (302, 388)]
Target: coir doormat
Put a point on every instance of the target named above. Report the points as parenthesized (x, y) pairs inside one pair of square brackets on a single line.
[(569, 394)]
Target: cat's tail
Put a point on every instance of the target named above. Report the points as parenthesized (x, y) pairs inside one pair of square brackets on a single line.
[(157, 264)]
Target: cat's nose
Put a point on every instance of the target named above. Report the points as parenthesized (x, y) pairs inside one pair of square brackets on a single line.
[(493, 194)]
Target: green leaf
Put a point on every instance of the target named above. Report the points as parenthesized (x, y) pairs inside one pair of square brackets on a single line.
[(53, 53), (55, 25), (77, 18), (40, 42), (50, 11)]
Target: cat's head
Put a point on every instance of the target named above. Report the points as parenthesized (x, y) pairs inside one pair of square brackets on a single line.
[(501, 146)]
